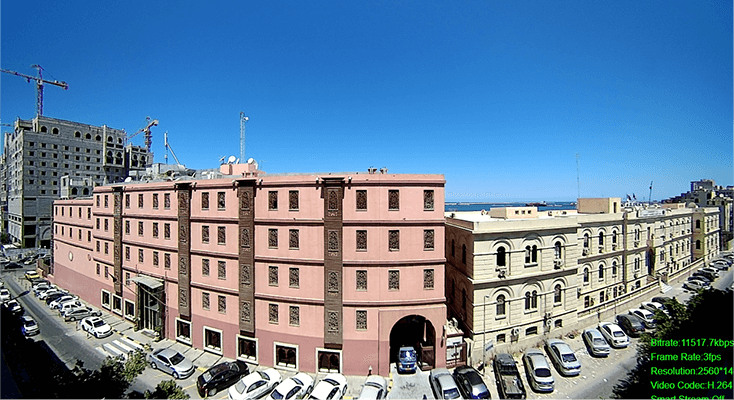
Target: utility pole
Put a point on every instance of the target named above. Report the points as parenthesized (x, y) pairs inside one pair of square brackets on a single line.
[(243, 122)]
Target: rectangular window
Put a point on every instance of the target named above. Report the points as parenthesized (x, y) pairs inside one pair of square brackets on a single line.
[(183, 331), (116, 304), (362, 240), (221, 205), (222, 304), (106, 224), (362, 280), (98, 268), (273, 238), (105, 299), (127, 201), (293, 200), (273, 275), (428, 200), (204, 234), (222, 269), (294, 317), (212, 339), (155, 201), (393, 280), (167, 201), (98, 220), (155, 230), (106, 201), (428, 279), (272, 200), (428, 239), (97, 246), (140, 200), (140, 228), (205, 300), (106, 248), (361, 320), (273, 313), (127, 253), (204, 267), (166, 231), (205, 200), (140, 256), (106, 272), (361, 200), (294, 278), (222, 235), (167, 260), (394, 240), (155, 259), (393, 200), (286, 356), (293, 239), (127, 227), (246, 348), (127, 279)]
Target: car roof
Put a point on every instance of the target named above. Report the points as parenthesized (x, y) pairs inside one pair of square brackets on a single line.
[(376, 379), (538, 360), (593, 332), (562, 346), (612, 326), (446, 381), (93, 319), (166, 352), (439, 371), (504, 358)]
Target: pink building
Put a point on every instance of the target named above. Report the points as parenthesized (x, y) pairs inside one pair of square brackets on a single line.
[(306, 272)]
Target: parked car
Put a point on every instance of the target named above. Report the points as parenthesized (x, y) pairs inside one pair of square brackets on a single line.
[(53, 300), (68, 305), (443, 384), (595, 342), (661, 300), (79, 313), (375, 388), (29, 326), (708, 275), (220, 376), (538, 371), (470, 383), (614, 335), (4, 294), (509, 384), (53, 294), (710, 270), (333, 386), (297, 387), (172, 362), (631, 325), (647, 318), (31, 275), (40, 282), (14, 307), (407, 361), (701, 280), (653, 306), (693, 285), (563, 357), (96, 326), (255, 385)]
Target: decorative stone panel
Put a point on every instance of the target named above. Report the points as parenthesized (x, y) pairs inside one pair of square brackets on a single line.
[(428, 200), (361, 280), (293, 239), (362, 240), (361, 200), (184, 246), (333, 282), (333, 241), (245, 312), (333, 200), (428, 279), (333, 322), (245, 275), (183, 298), (245, 238), (428, 239), (393, 199), (293, 200)]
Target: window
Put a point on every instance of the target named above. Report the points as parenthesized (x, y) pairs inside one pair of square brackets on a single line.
[(205, 300), (155, 259), (428, 239), (272, 275), (533, 330), (106, 224), (222, 235), (394, 240), (273, 313), (601, 297), (601, 272), (106, 201), (273, 238), (294, 318), (106, 271), (501, 338), (155, 201), (362, 240), (116, 304), (167, 201), (167, 260), (222, 269), (428, 278), (98, 268), (140, 200), (293, 200), (586, 240), (222, 304), (140, 256), (106, 248), (393, 280), (166, 231), (273, 200), (204, 267), (393, 200), (614, 268), (531, 300), (205, 200), (246, 348), (601, 238), (586, 275), (361, 320), (587, 302), (105, 299), (129, 309), (221, 202), (140, 228), (293, 278), (286, 356), (183, 331), (361, 200), (204, 234), (127, 227), (127, 253), (501, 305), (428, 200), (501, 257), (293, 239), (361, 280), (98, 220), (155, 230), (212, 339), (557, 294), (97, 245)]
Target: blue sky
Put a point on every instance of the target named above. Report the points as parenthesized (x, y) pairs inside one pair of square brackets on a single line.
[(499, 96)]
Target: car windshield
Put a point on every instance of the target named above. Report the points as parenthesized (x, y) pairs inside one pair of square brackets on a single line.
[(30, 323), (98, 323), (599, 342), (569, 357), (239, 386), (618, 334), (452, 393), (331, 381), (276, 395), (407, 354), (176, 359), (542, 372)]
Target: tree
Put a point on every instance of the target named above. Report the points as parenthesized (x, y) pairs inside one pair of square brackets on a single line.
[(167, 390)]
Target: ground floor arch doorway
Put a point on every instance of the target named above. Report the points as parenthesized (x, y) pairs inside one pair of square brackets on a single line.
[(416, 331)]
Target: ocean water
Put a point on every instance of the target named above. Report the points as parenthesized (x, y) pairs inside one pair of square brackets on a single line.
[(459, 206)]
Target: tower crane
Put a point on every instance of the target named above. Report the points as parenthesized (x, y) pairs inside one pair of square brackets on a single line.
[(148, 136), (39, 84), (169, 148)]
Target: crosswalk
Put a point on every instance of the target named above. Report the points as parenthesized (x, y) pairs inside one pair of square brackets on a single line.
[(121, 347)]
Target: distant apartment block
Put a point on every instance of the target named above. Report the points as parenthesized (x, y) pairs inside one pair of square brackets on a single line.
[(46, 158), (310, 272), (515, 275), (706, 193)]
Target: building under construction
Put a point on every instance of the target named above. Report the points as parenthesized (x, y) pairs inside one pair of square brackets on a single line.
[(45, 159)]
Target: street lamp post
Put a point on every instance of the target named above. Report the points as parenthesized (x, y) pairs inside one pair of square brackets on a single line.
[(484, 333)]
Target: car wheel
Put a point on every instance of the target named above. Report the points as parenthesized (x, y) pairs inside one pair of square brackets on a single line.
[(211, 392), (152, 365), (175, 375)]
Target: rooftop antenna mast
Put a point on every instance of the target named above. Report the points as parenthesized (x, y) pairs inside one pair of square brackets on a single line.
[(649, 199), (578, 182), (243, 122)]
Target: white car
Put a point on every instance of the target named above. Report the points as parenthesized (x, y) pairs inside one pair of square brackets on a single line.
[(96, 326), (14, 306), (375, 388), (333, 386), (295, 387), (693, 285), (255, 385), (42, 295), (54, 304), (710, 270), (4, 294), (653, 306), (30, 327)]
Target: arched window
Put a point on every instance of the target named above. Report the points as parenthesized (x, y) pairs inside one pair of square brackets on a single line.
[(586, 240), (558, 248), (463, 253), (74, 191), (614, 237), (88, 136), (601, 271), (77, 134), (601, 238), (43, 129), (55, 131), (586, 275), (86, 191), (527, 254), (557, 294), (534, 254), (501, 304), (527, 300), (501, 257), (535, 299), (614, 268), (98, 138)]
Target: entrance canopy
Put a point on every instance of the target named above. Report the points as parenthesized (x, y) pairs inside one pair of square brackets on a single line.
[(148, 281)]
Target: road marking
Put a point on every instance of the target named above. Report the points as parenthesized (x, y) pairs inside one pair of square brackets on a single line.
[(202, 369), (189, 387)]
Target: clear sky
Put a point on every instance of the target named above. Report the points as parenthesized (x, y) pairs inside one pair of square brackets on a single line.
[(499, 96)]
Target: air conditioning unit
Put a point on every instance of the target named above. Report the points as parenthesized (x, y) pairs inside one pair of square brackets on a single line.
[(614, 247), (515, 332), (558, 263), (585, 252), (637, 243), (601, 249)]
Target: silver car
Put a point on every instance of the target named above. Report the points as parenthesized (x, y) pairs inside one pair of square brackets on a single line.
[(538, 371), (172, 362), (375, 388), (595, 343), (563, 357), (80, 313), (443, 384), (614, 334)]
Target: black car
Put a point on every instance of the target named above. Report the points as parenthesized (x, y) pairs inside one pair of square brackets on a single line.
[(706, 275), (631, 325), (13, 265), (661, 299), (220, 377), (470, 383), (54, 296)]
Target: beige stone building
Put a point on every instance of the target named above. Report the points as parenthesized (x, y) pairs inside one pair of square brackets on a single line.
[(516, 275)]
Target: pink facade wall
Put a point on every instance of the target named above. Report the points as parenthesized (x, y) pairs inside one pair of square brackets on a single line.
[(361, 348)]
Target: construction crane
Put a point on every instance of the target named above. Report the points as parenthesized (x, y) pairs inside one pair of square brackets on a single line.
[(169, 148), (39, 84), (148, 136), (243, 122)]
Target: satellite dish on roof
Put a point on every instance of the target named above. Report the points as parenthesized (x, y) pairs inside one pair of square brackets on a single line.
[(231, 159), (129, 179), (250, 160)]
